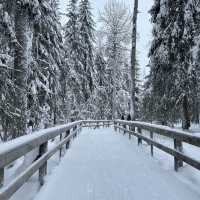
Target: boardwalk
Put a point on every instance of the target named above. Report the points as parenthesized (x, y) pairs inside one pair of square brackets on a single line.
[(104, 165)]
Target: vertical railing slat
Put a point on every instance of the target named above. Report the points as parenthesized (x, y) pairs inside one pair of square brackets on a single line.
[(179, 147), (66, 135), (151, 136), (139, 139), (1, 177), (43, 168), (60, 151)]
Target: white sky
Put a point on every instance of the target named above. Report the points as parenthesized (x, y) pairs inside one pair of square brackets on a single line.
[(144, 27)]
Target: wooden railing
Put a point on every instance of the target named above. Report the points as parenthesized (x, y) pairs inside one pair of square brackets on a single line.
[(97, 123), (17, 148), (146, 131)]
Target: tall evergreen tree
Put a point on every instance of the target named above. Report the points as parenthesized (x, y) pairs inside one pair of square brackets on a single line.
[(195, 7), (100, 102), (74, 69), (172, 73), (47, 66), (31, 57), (86, 30), (24, 16), (79, 56), (7, 40)]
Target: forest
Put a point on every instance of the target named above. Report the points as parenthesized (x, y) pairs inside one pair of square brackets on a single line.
[(52, 73)]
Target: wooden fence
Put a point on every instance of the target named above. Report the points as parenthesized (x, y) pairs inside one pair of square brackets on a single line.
[(17, 148), (140, 130)]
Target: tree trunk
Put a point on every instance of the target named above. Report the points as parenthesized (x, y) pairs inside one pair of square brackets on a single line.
[(186, 113), (114, 69), (21, 66), (133, 61)]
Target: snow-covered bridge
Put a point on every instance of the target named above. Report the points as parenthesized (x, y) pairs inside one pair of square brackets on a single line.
[(103, 164)]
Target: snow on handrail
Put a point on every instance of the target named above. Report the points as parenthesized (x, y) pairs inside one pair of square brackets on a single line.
[(165, 131), (16, 148)]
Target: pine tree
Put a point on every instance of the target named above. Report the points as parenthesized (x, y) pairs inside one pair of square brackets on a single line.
[(25, 14), (73, 66), (160, 66), (190, 38), (172, 71), (195, 7), (31, 85), (101, 108), (7, 39), (79, 56), (46, 67), (86, 30)]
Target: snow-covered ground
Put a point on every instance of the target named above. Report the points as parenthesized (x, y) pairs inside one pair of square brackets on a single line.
[(103, 164)]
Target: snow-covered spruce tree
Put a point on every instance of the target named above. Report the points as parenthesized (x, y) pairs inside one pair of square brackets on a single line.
[(100, 96), (25, 13), (195, 7), (86, 28), (45, 97), (184, 31), (192, 34), (7, 40), (74, 68), (148, 108), (116, 23), (161, 61), (172, 74)]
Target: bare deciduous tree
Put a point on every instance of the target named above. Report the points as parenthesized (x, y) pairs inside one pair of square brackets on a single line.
[(133, 61), (116, 21)]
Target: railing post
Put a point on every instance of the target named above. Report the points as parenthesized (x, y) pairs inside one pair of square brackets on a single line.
[(118, 124), (60, 151), (66, 135), (43, 168), (79, 129), (115, 124), (151, 136), (139, 139), (179, 147), (74, 129), (1, 177), (131, 128), (124, 126)]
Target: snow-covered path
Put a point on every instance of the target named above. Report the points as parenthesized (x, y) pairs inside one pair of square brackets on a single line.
[(104, 165)]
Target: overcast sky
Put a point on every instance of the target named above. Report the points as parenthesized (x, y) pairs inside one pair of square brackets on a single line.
[(144, 26)]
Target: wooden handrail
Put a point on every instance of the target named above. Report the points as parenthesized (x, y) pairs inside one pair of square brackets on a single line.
[(135, 128), (7, 191), (164, 131), (11, 151), (17, 148)]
